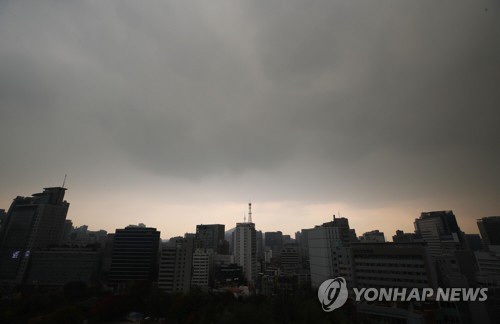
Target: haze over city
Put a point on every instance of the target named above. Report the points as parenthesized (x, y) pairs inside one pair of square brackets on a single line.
[(175, 114)]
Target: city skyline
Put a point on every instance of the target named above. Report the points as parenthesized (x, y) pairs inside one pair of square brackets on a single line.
[(41, 250), (178, 114), (246, 219)]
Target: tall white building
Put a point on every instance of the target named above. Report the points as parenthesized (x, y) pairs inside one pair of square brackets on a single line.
[(176, 264), (245, 249), (326, 244), (203, 267)]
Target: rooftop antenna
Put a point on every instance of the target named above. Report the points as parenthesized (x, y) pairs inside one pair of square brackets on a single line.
[(64, 181), (333, 216), (250, 212), (244, 218)]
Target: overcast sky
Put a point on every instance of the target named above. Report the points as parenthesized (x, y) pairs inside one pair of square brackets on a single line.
[(176, 113)]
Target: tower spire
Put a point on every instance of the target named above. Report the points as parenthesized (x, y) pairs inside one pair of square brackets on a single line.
[(250, 212)]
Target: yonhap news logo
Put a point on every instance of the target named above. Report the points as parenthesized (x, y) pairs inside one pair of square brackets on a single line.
[(333, 293)]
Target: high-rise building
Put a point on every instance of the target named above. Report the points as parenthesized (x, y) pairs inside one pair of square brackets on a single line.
[(203, 268), (375, 265), (134, 255), (3, 220), (290, 260), (439, 229), (304, 246), (107, 257), (245, 249), (474, 242), (274, 241), (176, 265), (81, 236), (402, 237), (68, 228), (372, 237), (32, 223), (489, 227), (488, 263), (342, 223), (260, 245), (60, 265), (325, 245), (210, 236)]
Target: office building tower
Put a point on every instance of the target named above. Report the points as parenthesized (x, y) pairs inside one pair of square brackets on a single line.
[(3, 220), (297, 237), (439, 229), (81, 236), (488, 263), (290, 258), (456, 268), (260, 245), (68, 228), (134, 255), (374, 236), (32, 223), (210, 236), (107, 256), (203, 268), (342, 223), (377, 265), (176, 265), (489, 227), (60, 265), (402, 237), (274, 241), (474, 242), (353, 237), (304, 246), (245, 249), (229, 275), (325, 245)]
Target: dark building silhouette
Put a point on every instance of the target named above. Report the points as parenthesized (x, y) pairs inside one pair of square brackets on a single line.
[(372, 237), (134, 255), (3, 219), (402, 237), (474, 242), (290, 258), (68, 227), (210, 236), (274, 239), (489, 227), (439, 229), (32, 223), (229, 275), (61, 265), (274, 242)]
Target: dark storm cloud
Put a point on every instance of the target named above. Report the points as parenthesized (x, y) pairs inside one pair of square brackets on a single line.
[(385, 99)]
